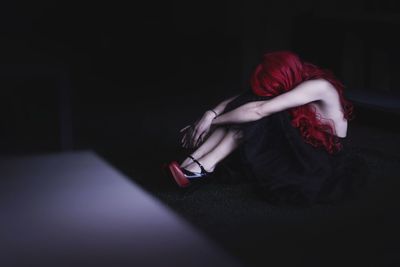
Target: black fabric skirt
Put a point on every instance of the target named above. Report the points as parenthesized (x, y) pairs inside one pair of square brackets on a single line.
[(284, 168)]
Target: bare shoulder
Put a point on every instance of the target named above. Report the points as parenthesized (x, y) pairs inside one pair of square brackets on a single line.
[(319, 89), (316, 90), (315, 87), (320, 86), (326, 88), (328, 92)]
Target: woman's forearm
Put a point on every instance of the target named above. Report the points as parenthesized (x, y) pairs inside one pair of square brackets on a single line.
[(245, 113), (221, 106)]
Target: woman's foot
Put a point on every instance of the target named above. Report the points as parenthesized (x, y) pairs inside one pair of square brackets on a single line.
[(183, 177), (186, 162), (195, 168)]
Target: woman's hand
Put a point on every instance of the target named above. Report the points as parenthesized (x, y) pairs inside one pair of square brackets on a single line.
[(196, 133), (188, 132)]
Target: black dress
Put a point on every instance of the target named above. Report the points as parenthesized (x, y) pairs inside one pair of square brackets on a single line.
[(284, 168)]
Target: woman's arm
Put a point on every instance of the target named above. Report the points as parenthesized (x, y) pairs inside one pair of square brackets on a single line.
[(191, 137), (221, 106), (244, 113), (302, 94)]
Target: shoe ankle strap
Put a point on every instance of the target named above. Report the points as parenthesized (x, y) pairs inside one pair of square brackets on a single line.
[(201, 166)]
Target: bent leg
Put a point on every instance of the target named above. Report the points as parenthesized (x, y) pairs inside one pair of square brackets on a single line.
[(228, 144), (210, 143)]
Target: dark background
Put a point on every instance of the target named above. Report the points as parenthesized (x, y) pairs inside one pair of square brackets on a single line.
[(102, 76), (122, 79)]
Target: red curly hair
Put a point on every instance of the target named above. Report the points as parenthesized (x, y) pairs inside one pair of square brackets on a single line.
[(280, 72)]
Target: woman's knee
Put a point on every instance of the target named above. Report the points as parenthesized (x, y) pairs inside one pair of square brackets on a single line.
[(221, 128), (236, 133)]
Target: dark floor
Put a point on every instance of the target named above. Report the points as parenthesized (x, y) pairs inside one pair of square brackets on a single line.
[(363, 232)]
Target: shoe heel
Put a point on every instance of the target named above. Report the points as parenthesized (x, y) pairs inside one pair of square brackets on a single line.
[(178, 175)]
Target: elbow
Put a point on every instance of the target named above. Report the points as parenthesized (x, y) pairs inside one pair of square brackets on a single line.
[(258, 113), (262, 109)]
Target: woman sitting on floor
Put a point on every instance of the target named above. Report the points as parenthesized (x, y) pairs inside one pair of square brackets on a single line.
[(290, 132)]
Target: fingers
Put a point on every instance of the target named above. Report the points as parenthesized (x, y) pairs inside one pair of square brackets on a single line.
[(184, 128), (202, 137), (185, 138), (196, 138), (198, 141), (187, 142), (183, 141), (192, 137)]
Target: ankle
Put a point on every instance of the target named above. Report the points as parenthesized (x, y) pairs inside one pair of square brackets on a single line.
[(185, 162), (189, 161), (208, 163), (194, 167)]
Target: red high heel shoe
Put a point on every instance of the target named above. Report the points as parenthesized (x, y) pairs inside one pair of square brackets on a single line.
[(178, 175)]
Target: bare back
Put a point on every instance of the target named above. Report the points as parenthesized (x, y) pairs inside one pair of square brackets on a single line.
[(330, 109), (318, 93)]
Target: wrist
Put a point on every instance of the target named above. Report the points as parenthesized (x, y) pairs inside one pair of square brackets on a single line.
[(211, 113)]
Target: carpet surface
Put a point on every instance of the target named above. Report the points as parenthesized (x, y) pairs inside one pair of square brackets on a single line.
[(362, 232)]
